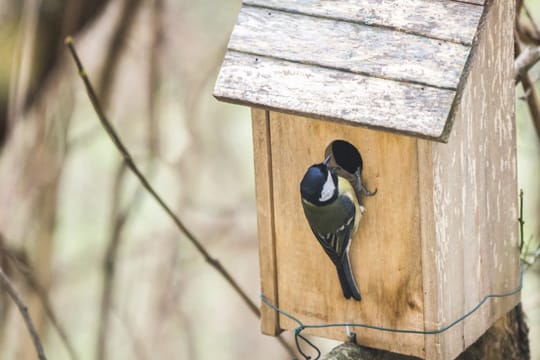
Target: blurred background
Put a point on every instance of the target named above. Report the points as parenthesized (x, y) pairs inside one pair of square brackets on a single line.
[(104, 272)]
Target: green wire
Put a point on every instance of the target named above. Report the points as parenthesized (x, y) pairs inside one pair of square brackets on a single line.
[(302, 326)]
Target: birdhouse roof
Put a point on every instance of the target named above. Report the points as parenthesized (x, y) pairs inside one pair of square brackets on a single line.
[(394, 65)]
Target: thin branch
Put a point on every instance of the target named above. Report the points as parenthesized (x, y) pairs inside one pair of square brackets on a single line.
[(533, 23), (526, 28), (154, 78), (139, 351), (123, 27), (529, 33), (526, 60), (533, 100), (519, 6), (109, 264), (19, 260), (521, 221), (120, 217), (23, 309), (21, 78), (133, 167), (116, 47), (530, 257), (46, 303)]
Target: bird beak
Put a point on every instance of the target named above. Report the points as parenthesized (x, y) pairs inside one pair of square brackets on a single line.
[(327, 160)]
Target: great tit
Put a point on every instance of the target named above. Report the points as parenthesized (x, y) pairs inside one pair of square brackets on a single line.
[(333, 213), (346, 161)]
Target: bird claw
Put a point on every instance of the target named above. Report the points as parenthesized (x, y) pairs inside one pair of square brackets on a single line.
[(366, 192)]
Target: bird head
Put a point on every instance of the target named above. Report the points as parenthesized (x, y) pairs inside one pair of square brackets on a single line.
[(319, 184)]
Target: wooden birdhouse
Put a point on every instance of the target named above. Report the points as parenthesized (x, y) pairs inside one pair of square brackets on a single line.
[(424, 90)]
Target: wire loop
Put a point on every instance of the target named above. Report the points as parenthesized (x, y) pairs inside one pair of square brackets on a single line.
[(301, 326)]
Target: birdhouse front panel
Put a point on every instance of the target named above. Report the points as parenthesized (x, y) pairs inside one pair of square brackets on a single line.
[(388, 270), (440, 233)]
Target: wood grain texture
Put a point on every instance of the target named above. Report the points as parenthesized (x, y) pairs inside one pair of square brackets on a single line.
[(348, 46), (440, 234), (332, 94), (475, 195), (477, 2), (506, 339), (430, 278), (389, 65), (385, 253), (265, 218), (442, 19)]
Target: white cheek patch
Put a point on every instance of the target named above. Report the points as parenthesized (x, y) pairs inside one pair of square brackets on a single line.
[(328, 188)]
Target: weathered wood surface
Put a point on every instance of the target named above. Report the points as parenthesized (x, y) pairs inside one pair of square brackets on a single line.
[(391, 65), (441, 19), (477, 2), (333, 94), (475, 196), (507, 339), (348, 46), (265, 218), (385, 252), (446, 212)]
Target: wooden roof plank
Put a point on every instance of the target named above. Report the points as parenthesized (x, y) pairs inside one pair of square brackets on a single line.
[(348, 46), (334, 95), (455, 21), (477, 2)]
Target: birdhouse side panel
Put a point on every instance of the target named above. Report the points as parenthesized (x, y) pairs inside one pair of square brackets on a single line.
[(475, 194), (265, 218), (385, 252)]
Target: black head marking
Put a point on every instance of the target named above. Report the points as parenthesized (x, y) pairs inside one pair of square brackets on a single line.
[(315, 185)]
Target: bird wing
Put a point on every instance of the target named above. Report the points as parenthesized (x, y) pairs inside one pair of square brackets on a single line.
[(334, 231)]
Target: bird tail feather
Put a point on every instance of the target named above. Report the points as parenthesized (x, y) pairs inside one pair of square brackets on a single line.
[(344, 282), (346, 278)]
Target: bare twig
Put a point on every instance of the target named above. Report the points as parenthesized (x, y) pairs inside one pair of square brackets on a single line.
[(530, 257), (104, 85), (109, 264), (133, 167), (533, 100), (126, 19), (519, 6), (46, 303), (139, 351), (19, 260), (533, 23), (22, 75), (154, 77), (527, 30), (23, 309), (521, 221), (529, 33), (526, 60)]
